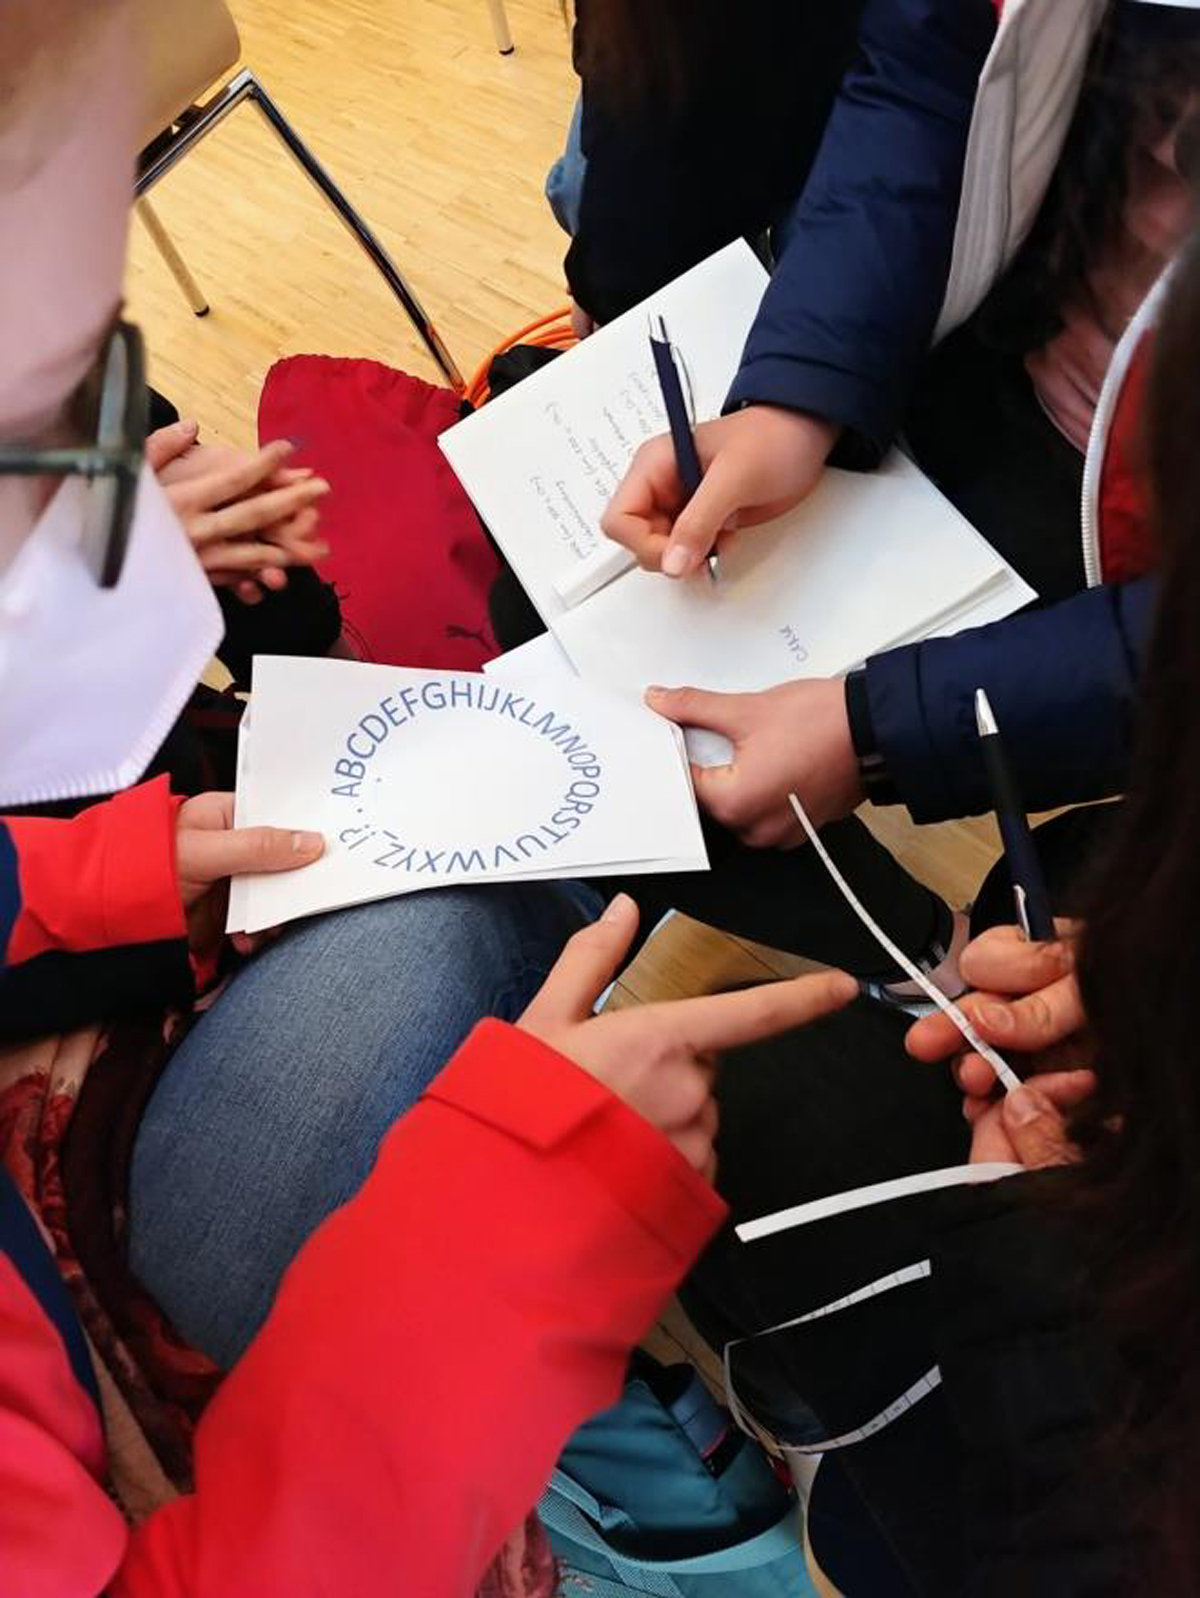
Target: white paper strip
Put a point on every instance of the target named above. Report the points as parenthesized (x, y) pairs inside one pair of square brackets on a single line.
[(877, 1193), (1004, 1072)]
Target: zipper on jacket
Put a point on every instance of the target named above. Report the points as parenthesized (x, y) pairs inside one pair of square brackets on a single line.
[(1106, 406)]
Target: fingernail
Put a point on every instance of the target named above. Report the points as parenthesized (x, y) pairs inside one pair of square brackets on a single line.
[(306, 842), (676, 561), (190, 427), (655, 692), (996, 1017), (618, 909), (1066, 956), (1020, 1107)]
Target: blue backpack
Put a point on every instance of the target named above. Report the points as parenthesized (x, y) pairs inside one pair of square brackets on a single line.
[(663, 1494)]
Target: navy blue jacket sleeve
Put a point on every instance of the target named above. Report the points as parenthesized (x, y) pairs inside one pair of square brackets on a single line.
[(1063, 682), (864, 257)]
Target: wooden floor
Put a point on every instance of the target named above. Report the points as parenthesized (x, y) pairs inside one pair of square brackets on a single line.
[(440, 142)]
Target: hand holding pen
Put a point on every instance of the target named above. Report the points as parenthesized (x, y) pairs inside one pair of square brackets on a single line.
[(1025, 999), (757, 463)]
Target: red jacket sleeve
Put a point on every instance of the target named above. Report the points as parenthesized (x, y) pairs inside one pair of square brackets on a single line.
[(435, 1343), (105, 878)]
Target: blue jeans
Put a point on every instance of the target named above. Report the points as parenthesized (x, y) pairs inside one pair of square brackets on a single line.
[(564, 181), (270, 1113)]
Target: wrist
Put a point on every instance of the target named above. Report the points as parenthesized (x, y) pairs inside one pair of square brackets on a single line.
[(812, 433), (824, 768)]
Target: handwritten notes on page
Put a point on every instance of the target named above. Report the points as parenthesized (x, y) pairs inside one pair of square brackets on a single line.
[(424, 779), (541, 462), (870, 560)]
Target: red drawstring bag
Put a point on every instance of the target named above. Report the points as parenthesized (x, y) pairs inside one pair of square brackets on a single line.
[(409, 559)]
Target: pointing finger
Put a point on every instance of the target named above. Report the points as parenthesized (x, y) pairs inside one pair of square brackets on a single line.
[(728, 1019)]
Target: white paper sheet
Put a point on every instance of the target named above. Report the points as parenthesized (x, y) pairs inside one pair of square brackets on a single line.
[(541, 462), (422, 779), (544, 660), (868, 561)]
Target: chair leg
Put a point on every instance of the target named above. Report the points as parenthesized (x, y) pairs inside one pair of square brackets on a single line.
[(245, 86), (504, 39), (175, 262)]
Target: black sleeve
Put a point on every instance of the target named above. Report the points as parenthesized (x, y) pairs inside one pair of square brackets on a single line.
[(56, 992), (305, 618)]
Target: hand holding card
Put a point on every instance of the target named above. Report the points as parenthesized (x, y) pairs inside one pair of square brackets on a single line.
[(425, 779)]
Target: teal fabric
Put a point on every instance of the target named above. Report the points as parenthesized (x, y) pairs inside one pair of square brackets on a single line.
[(633, 1507)]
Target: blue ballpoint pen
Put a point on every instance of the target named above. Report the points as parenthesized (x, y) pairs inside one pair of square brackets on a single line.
[(1020, 852), (687, 459)]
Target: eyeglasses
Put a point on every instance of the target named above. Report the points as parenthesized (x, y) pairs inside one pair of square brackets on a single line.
[(113, 406)]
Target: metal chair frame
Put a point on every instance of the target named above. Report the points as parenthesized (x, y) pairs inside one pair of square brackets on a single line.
[(504, 39), (200, 121)]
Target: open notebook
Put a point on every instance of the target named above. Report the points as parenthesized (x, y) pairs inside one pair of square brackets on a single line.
[(869, 561)]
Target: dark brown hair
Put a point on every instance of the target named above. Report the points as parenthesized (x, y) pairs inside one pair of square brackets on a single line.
[(1138, 968), (1143, 71)]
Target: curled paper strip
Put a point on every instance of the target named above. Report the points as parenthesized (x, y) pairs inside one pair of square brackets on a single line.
[(1004, 1072)]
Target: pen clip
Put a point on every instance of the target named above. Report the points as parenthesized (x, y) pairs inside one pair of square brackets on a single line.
[(679, 400), (662, 337), (1021, 900)]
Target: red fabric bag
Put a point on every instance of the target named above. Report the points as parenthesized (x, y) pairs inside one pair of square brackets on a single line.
[(410, 561)]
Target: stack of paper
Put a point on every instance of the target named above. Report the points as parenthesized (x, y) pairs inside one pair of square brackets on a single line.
[(424, 779), (868, 561)]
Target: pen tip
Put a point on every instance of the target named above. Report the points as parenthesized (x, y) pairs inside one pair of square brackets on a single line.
[(985, 720)]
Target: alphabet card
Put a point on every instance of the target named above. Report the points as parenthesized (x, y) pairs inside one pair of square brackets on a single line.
[(426, 779)]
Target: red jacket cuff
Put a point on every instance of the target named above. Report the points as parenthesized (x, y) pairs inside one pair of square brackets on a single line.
[(105, 878), (546, 1101)]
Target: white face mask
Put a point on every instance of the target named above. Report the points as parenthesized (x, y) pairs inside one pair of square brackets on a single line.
[(91, 679)]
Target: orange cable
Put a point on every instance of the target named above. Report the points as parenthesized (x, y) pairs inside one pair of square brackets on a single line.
[(541, 333)]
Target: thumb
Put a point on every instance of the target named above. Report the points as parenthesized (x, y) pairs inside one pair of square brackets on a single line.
[(585, 968), (207, 857), (697, 707), (1035, 1128), (166, 444), (702, 520)]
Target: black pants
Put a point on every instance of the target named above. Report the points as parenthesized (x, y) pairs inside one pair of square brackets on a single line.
[(720, 152), (836, 1106)]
